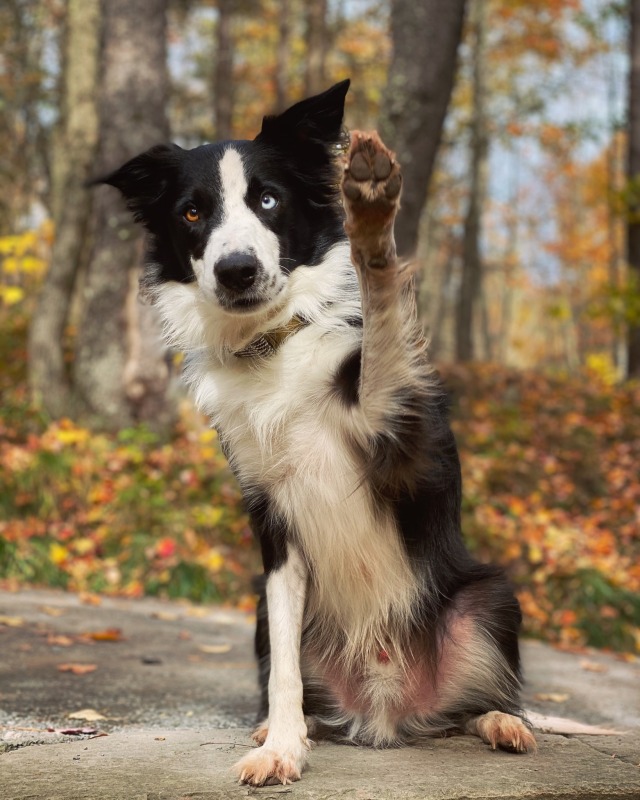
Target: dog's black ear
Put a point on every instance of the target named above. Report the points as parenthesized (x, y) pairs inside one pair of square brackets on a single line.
[(144, 179), (317, 119)]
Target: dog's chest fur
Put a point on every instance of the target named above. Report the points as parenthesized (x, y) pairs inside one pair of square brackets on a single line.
[(289, 436)]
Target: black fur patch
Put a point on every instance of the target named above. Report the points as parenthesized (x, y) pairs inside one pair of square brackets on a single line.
[(270, 529), (347, 379)]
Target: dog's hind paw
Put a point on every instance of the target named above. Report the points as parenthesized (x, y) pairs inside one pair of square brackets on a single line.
[(505, 731), (371, 186), (266, 767)]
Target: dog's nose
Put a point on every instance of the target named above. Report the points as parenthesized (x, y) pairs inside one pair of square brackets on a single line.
[(237, 271)]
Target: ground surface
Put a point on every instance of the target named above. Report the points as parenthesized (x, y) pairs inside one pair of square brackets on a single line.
[(177, 687)]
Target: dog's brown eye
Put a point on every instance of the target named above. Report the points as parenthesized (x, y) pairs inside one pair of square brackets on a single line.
[(191, 214)]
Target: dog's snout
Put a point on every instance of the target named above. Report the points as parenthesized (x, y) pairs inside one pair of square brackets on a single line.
[(237, 271)]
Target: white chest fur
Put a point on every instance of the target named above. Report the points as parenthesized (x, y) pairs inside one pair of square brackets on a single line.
[(288, 435)]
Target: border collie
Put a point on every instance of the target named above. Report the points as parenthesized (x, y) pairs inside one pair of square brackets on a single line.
[(374, 625)]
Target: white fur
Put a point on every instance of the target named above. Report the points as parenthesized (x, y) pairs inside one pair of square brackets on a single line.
[(286, 741)]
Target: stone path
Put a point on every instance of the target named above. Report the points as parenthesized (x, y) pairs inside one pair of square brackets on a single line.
[(177, 689)]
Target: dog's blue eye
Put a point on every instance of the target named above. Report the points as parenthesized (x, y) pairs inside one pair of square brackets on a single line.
[(268, 201)]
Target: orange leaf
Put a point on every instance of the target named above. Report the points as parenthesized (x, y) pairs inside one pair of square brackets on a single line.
[(77, 669), (107, 635), (90, 599), (59, 640), (593, 666)]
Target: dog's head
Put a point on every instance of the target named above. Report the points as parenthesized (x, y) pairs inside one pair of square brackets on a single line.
[(238, 217)]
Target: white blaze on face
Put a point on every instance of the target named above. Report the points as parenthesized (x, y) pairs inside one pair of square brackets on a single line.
[(240, 231)]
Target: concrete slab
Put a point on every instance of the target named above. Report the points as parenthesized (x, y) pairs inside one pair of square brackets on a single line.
[(179, 692)]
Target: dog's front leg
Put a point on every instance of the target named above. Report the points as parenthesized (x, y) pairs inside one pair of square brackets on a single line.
[(282, 756), (394, 373)]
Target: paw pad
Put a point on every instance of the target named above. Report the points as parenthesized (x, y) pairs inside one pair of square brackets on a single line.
[(372, 176)]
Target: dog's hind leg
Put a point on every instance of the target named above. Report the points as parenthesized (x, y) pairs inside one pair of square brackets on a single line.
[(505, 731), (282, 756)]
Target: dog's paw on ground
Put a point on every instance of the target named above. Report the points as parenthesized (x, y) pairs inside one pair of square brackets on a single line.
[(265, 767), (505, 731), (371, 186)]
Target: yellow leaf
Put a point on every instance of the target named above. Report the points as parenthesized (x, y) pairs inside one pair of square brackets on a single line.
[(10, 295), (87, 714), (214, 649), (11, 265), (11, 622), (52, 611), (32, 265), (58, 553), (551, 697), (83, 545), (214, 561), (72, 435)]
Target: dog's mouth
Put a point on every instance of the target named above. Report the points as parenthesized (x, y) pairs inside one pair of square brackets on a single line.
[(245, 304)]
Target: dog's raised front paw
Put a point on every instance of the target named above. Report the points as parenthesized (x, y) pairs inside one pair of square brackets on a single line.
[(371, 193), (266, 767)]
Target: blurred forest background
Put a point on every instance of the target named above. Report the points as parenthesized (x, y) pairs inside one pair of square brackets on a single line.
[(518, 126)]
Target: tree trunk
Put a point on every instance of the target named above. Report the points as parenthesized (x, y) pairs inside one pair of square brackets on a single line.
[(114, 385), (425, 36), (633, 169), (74, 153), (314, 78), (470, 295), (223, 76), (282, 56)]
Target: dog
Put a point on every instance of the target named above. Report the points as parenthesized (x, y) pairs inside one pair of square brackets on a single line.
[(278, 278)]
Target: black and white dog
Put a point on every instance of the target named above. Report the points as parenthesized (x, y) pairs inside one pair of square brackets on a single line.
[(376, 626)]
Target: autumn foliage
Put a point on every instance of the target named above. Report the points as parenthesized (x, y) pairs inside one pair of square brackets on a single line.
[(551, 492)]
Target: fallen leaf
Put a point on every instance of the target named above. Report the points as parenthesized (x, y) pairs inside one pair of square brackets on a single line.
[(11, 622), (159, 739), (90, 599), (107, 635), (165, 616), (87, 714), (78, 669), (593, 666), (76, 731), (551, 697), (151, 660), (214, 649), (198, 611), (545, 724), (59, 640), (52, 611), (184, 636)]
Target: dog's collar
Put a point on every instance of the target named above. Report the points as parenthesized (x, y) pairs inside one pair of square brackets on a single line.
[(267, 344)]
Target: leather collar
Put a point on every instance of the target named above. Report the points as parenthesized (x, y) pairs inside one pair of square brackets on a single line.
[(267, 344)]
